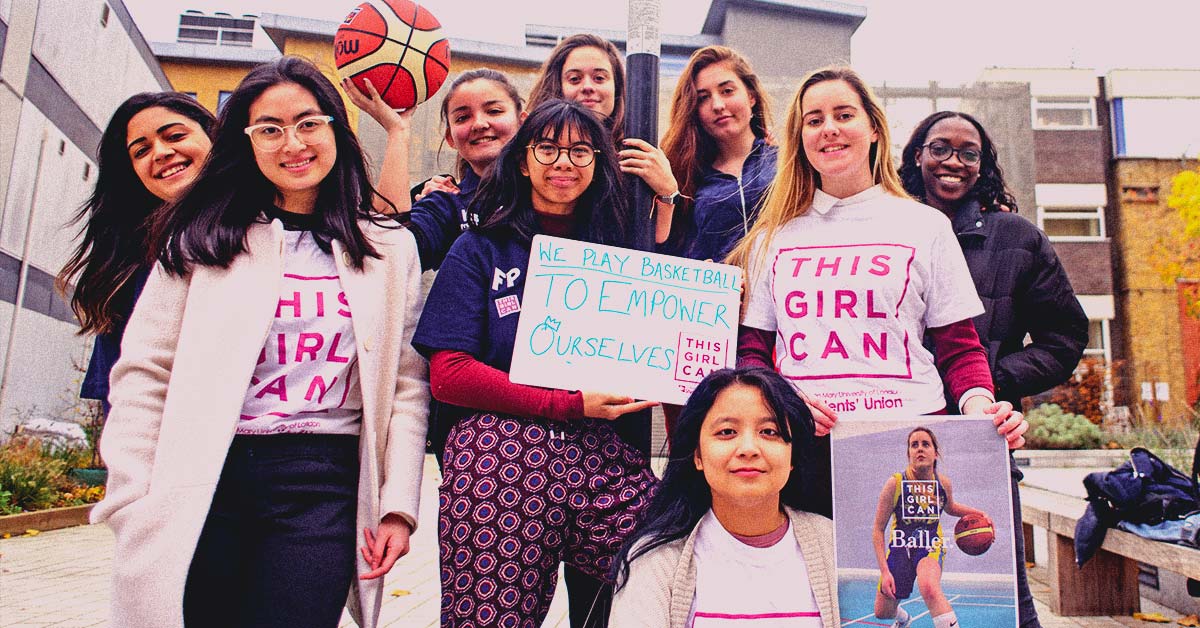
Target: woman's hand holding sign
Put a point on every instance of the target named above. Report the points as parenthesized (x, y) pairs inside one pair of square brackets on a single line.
[(598, 405)]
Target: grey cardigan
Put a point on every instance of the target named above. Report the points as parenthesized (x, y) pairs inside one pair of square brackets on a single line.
[(662, 583)]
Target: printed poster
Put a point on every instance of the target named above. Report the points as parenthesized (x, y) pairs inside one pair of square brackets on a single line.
[(890, 504)]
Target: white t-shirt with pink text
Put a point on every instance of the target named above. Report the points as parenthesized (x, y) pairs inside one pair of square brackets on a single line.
[(849, 288), (306, 379)]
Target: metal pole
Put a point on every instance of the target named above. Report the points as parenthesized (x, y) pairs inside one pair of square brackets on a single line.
[(642, 48)]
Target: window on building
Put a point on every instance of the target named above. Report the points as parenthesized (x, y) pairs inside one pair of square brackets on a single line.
[(217, 29), (222, 97), (1071, 211), (1071, 222), (1057, 112), (1096, 346)]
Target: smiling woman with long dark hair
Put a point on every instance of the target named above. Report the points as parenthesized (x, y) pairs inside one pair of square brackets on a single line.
[(268, 404), (545, 465), (151, 151), (738, 525)]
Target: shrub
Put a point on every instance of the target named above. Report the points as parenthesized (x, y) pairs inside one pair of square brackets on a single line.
[(34, 477), (1052, 428)]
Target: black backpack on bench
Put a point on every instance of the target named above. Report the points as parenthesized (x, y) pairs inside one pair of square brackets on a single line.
[(1143, 490)]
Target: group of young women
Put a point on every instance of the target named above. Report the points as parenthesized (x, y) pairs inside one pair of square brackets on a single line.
[(269, 395)]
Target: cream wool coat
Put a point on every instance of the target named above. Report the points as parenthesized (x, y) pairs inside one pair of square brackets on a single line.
[(186, 360)]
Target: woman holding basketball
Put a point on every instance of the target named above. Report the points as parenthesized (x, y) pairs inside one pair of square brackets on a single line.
[(480, 113), (587, 69), (268, 404), (910, 548), (718, 149), (533, 477), (731, 530)]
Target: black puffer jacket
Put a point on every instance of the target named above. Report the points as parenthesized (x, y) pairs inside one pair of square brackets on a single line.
[(1024, 290)]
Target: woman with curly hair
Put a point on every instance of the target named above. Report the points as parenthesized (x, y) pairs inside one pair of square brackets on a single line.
[(950, 164)]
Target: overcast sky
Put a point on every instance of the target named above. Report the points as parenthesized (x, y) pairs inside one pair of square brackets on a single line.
[(902, 42)]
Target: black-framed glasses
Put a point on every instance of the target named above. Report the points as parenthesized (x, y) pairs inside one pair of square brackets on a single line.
[(581, 154), (942, 151), (271, 137)]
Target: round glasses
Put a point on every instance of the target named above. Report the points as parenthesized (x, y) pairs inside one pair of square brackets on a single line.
[(581, 154), (272, 137), (942, 151)]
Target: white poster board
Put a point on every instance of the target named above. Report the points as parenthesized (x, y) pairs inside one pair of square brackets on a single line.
[(627, 322)]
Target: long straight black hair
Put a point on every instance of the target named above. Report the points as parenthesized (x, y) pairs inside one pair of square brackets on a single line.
[(683, 496), (208, 226), (504, 195), (114, 219)]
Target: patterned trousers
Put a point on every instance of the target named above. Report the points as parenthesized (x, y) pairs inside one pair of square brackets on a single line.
[(519, 496)]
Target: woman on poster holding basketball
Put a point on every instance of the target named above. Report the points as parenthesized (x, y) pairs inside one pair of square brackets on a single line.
[(532, 474), (907, 537), (268, 404)]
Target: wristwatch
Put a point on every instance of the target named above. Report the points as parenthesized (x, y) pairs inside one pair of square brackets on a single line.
[(669, 199)]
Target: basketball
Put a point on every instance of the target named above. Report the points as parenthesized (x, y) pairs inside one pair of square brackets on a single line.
[(974, 534), (396, 44)]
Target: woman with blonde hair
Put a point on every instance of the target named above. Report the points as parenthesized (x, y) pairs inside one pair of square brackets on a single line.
[(846, 273)]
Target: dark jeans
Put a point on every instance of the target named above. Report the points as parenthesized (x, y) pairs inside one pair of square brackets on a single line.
[(1026, 612), (277, 549)]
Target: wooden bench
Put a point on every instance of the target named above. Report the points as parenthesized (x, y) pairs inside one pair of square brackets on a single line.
[(1108, 583)]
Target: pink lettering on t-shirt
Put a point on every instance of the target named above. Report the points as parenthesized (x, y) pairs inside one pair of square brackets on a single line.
[(318, 382), (346, 310), (277, 387), (332, 356), (293, 303), (310, 343)]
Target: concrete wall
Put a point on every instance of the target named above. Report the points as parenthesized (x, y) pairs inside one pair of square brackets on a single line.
[(778, 43), (66, 71)]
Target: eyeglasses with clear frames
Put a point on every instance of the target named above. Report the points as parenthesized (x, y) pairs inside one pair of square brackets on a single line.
[(272, 137), (581, 154), (942, 151)]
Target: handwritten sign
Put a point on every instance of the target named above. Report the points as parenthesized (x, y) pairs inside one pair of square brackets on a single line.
[(628, 322)]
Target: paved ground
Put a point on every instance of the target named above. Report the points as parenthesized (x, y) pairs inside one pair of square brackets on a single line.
[(60, 578)]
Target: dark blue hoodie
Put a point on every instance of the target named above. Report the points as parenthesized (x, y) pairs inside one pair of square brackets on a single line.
[(727, 206)]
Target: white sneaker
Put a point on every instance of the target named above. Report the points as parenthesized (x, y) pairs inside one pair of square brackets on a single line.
[(902, 624)]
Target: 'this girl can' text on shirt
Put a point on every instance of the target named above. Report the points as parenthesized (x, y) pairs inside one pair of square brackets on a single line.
[(849, 289), (306, 379)]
